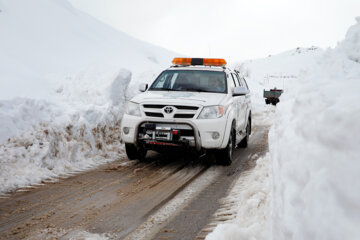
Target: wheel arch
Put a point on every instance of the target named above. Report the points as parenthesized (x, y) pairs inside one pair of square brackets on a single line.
[(230, 123)]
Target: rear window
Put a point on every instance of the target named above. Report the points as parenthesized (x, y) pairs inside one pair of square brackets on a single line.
[(191, 80)]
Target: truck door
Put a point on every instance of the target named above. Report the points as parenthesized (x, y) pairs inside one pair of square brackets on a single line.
[(247, 102), (238, 102), (242, 106)]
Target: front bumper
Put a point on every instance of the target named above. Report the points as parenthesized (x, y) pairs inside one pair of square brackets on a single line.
[(203, 129)]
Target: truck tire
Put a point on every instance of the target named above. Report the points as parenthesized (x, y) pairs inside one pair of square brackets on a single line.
[(244, 142), (133, 152), (225, 156)]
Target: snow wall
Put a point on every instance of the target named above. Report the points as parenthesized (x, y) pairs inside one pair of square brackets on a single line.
[(312, 191), (314, 146), (64, 78)]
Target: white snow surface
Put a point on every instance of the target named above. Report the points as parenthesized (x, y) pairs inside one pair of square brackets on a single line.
[(249, 201), (64, 79), (351, 44), (314, 145), (44, 40)]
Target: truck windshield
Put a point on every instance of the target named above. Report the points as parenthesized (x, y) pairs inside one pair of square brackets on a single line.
[(190, 80)]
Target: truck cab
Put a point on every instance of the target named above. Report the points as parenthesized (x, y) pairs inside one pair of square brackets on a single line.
[(197, 104)]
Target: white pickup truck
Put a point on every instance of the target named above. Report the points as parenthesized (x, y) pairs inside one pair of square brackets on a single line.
[(197, 104)]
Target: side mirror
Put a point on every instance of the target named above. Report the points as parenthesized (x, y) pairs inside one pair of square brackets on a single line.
[(143, 87), (240, 91)]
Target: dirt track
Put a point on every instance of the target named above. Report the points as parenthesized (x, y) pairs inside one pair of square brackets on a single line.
[(118, 197)]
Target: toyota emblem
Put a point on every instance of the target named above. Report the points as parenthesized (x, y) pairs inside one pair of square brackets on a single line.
[(168, 110)]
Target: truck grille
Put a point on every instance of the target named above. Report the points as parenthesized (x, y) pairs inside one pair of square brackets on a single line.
[(154, 114), (184, 115), (182, 107), (180, 111)]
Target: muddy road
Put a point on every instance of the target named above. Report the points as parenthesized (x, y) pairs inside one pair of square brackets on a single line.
[(165, 197)]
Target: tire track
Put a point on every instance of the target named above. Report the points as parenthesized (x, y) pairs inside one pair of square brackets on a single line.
[(112, 199)]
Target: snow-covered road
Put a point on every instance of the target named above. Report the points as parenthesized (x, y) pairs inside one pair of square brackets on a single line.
[(140, 200)]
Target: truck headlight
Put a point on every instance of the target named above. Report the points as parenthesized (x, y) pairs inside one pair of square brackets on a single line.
[(212, 112), (132, 109)]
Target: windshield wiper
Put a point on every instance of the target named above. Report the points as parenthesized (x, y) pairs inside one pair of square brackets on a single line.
[(180, 89), (194, 89), (163, 88)]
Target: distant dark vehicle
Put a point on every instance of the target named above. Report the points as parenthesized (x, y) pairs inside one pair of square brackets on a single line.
[(272, 96)]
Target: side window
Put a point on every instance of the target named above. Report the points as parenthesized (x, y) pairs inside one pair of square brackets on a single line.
[(164, 81), (160, 82), (231, 82), (233, 78), (244, 83), (238, 80)]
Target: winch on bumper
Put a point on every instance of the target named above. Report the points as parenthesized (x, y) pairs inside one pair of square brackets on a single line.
[(166, 134), (197, 134)]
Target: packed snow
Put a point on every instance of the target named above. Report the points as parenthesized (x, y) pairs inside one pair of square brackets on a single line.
[(249, 202), (314, 146), (65, 78)]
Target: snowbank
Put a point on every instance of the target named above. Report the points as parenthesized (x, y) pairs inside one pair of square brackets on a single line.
[(251, 204), (281, 71), (314, 148), (49, 150), (351, 45), (64, 78), (43, 140), (250, 195), (18, 114)]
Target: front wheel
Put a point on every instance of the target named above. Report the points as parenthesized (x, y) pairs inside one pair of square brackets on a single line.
[(225, 156), (134, 152)]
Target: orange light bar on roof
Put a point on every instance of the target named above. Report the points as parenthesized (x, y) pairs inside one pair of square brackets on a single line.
[(182, 61), (199, 61), (214, 62)]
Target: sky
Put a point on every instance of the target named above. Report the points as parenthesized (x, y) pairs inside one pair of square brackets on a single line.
[(231, 29)]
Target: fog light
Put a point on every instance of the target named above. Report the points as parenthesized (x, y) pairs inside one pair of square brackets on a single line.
[(126, 130), (215, 135)]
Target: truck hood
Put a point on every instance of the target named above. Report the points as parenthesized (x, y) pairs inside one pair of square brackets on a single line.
[(172, 97)]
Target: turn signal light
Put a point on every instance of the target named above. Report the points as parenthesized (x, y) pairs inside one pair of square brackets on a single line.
[(199, 61)]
